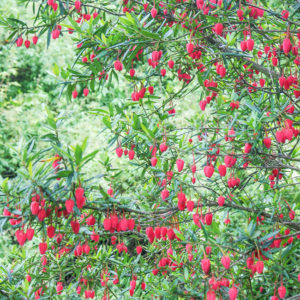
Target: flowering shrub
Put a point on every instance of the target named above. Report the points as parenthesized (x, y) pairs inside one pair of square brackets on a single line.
[(207, 137)]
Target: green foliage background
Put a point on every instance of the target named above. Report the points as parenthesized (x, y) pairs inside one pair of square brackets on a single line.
[(29, 89)]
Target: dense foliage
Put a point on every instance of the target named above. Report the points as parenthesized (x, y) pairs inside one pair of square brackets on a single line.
[(196, 195)]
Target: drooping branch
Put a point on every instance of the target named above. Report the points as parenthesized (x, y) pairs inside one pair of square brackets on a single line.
[(227, 52)]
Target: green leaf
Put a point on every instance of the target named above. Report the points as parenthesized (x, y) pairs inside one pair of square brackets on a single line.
[(252, 107), (51, 122), (149, 34), (135, 121), (179, 235), (186, 273), (48, 37), (267, 254), (4, 185), (30, 169), (125, 22), (62, 174), (61, 8), (55, 69), (101, 111), (106, 122), (130, 18), (89, 157), (266, 237), (74, 25), (78, 155), (147, 131)]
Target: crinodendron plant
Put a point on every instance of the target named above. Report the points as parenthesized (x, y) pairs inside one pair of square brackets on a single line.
[(206, 140)]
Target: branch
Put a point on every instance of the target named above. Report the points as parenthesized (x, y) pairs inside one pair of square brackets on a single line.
[(296, 297), (123, 208), (262, 69), (294, 225)]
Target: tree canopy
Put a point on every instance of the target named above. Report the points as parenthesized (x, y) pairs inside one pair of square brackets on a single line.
[(197, 195)]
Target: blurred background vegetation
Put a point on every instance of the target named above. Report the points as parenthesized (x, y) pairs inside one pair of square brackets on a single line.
[(28, 88)]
